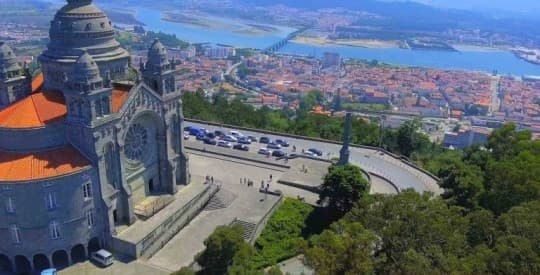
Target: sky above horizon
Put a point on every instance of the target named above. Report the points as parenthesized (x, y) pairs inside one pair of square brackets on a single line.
[(516, 6)]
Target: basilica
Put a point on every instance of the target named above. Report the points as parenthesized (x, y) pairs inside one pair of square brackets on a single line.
[(83, 141)]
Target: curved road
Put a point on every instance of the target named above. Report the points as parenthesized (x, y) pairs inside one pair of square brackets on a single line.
[(401, 174)]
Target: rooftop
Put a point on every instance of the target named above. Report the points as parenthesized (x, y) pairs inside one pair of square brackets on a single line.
[(36, 110), (40, 165)]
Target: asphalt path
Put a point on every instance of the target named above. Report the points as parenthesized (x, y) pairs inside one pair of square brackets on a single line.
[(399, 173)]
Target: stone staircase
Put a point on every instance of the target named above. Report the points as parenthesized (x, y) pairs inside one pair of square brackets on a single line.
[(222, 199), (249, 228)]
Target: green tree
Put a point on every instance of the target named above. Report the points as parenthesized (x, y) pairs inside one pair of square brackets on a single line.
[(242, 262), (482, 228), (221, 248), (463, 185), (504, 142), (511, 182), (416, 232), (343, 186), (311, 99), (346, 248), (409, 139)]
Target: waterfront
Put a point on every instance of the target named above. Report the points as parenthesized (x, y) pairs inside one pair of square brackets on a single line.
[(487, 61)]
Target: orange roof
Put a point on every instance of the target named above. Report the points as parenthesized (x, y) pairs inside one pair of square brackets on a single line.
[(36, 110), (119, 96), (37, 82), (41, 165)]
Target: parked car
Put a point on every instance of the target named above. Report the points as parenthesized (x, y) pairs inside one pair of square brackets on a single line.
[(194, 131), (225, 144), (244, 140), (315, 151), (264, 140), (201, 136), (219, 133), (209, 141), (279, 154), (265, 151), (273, 145), (252, 138), (235, 134), (282, 142), (309, 153), (211, 135), (230, 138), (102, 257), (241, 147), (187, 128)]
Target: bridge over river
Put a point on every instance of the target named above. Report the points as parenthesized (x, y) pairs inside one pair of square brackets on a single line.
[(280, 44)]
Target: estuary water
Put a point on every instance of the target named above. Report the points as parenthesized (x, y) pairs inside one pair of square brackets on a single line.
[(475, 60)]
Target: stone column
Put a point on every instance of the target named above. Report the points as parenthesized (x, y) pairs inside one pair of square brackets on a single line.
[(344, 153)]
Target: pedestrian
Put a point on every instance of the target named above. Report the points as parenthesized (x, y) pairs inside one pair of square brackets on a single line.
[(267, 187), (262, 184), (212, 179), (270, 176)]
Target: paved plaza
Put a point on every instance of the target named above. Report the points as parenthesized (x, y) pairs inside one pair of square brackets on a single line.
[(247, 204)]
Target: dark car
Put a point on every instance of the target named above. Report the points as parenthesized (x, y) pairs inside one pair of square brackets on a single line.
[(282, 142), (201, 136), (211, 135), (219, 133), (264, 140), (244, 140), (241, 147), (315, 151), (279, 154), (252, 138), (209, 141), (187, 128), (273, 145)]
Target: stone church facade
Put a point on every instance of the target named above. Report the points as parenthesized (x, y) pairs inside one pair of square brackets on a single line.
[(80, 145)]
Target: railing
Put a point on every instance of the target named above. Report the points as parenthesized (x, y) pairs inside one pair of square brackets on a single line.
[(262, 223), (149, 242)]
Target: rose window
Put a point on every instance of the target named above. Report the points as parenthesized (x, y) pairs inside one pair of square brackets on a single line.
[(136, 143)]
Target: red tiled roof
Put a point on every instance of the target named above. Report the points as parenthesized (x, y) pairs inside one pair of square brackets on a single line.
[(36, 110), (119, 97), (37, 83), (41, 165)]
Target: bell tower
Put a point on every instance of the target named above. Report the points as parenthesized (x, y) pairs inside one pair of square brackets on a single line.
[(88, 96), (158, 72), (15, 82)]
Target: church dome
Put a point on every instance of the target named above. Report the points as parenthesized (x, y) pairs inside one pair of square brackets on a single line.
[(81, 24), (77, 26)]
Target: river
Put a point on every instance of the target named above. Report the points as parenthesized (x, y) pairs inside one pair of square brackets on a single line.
[(475, 60)]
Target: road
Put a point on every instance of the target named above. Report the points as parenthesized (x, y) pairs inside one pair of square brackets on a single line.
[(401, 174), (495, 101)]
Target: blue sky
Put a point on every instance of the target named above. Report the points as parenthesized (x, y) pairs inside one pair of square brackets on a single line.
[(515, 6)]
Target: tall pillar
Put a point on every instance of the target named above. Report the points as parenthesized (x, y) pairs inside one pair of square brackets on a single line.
[(344, 153)]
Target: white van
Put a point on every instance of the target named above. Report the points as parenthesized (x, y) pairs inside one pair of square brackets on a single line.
[(103, 257)]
